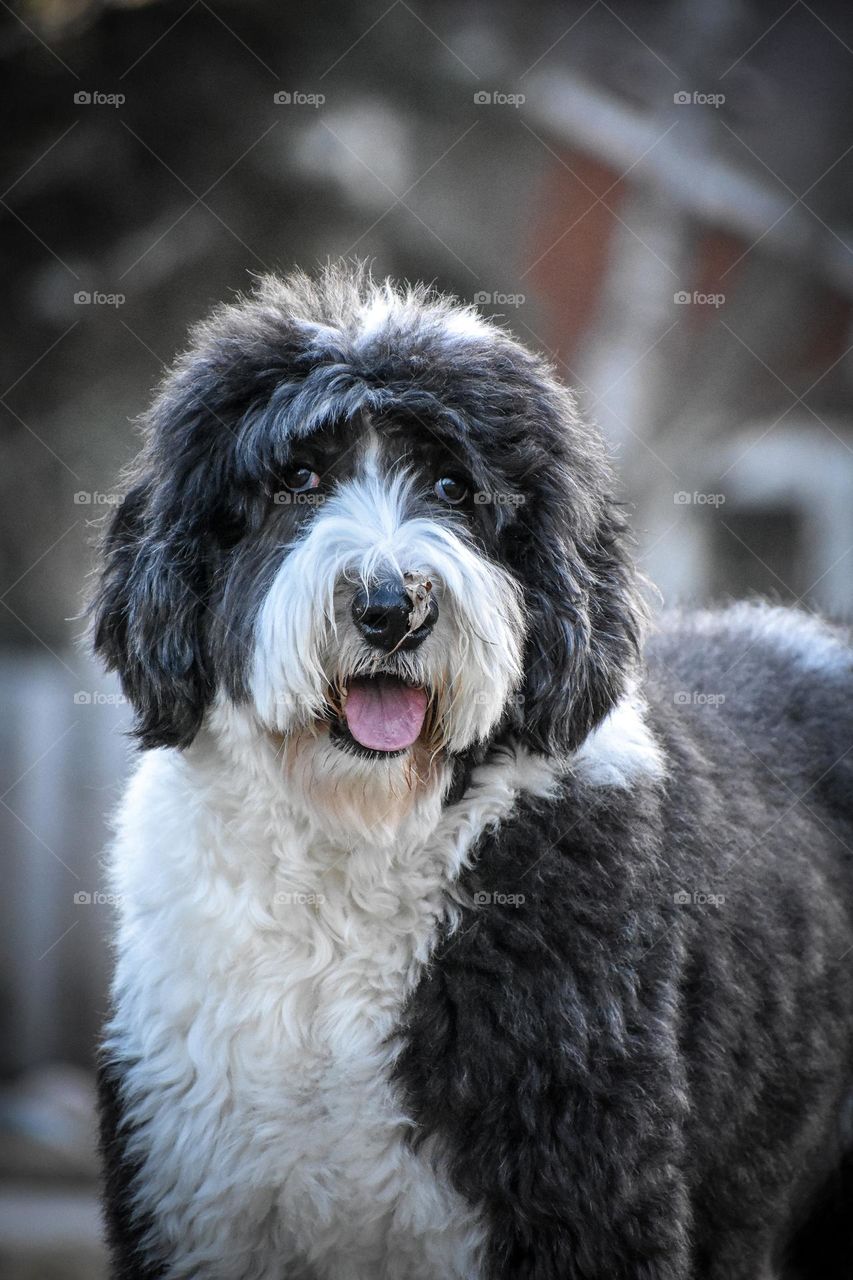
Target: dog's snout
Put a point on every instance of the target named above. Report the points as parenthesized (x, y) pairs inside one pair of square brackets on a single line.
[(389, 618)]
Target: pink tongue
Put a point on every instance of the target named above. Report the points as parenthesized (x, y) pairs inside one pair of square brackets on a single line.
[(385, 714)]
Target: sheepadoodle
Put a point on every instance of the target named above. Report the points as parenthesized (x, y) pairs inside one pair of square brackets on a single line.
[(465, 934)]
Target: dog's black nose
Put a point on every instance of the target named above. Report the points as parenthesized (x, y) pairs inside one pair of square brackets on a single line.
[(384, 614)]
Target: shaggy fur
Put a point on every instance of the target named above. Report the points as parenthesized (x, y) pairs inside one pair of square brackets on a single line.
[(561, 991)]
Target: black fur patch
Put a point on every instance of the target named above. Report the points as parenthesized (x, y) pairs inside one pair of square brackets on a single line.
[(631, 1085), (125, 1229)]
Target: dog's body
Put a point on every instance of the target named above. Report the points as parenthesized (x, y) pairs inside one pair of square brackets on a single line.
[(476, 948)]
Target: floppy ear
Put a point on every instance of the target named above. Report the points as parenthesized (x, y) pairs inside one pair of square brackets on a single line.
[(584, 620), (566, 544), (149, 616), (151, 611), (152, 618)]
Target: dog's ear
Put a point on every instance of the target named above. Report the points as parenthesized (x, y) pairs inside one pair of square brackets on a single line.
[(149, 614), (584, 619), (153, 615), (150, 609), (569, 552)]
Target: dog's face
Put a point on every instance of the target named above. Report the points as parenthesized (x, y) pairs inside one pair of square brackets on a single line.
[(380, 619), (376, 522)]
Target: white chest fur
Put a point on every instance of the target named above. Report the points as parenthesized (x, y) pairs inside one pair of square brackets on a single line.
[(261, 973)]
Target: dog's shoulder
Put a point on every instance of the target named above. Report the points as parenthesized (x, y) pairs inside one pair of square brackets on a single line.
[(759, 694), (736, 643)]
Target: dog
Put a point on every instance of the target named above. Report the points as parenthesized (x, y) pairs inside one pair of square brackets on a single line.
[(469, 927)]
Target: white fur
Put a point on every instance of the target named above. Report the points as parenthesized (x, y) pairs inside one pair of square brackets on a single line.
[(387, 311), (621, 749), (376, 316), (304, 628), (261, 970), (466, 323)]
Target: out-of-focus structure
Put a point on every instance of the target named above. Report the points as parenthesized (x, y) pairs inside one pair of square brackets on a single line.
[(657, 195), (740, 214)]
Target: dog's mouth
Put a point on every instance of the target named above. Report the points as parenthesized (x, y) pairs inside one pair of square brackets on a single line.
[(382, 713)]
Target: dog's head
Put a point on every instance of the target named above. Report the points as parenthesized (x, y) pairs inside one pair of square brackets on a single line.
[(377, 522)]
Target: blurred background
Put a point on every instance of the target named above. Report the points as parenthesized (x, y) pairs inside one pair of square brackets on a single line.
[(656, 195)]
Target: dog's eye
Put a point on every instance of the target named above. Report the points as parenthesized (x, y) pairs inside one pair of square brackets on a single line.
[(300, 479), (451, 489)]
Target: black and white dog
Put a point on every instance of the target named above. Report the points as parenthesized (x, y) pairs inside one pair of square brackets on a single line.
[(457, 940)]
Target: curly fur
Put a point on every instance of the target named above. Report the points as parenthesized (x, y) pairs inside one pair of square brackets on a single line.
[(562, 992)]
